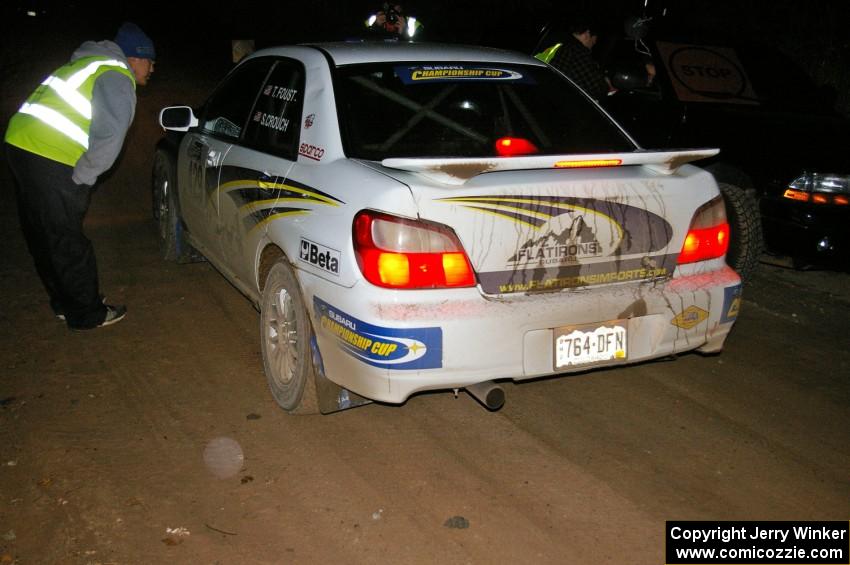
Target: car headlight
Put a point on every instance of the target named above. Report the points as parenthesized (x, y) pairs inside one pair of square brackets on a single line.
[(820, 188)]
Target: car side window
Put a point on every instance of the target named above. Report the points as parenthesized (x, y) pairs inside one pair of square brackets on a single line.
[(226, 112), (274, 123)]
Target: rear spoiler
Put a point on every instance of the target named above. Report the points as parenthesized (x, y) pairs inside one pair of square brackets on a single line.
[(459, 170)]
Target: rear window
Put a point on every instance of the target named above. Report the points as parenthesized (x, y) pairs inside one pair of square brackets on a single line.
[(463, 110)]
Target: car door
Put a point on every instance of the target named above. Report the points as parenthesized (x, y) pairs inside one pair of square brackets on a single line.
[(252, 172), (221, 125)]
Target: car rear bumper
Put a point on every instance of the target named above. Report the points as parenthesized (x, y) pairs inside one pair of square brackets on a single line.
[(459, 337)]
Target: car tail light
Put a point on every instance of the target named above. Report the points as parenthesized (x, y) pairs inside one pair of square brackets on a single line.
[(820, 188), (817, 197), (586, 163), (793, 194), (513, 146), (708, 236), (395, 252)]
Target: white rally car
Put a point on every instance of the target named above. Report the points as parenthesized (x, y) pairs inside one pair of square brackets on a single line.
[(410, 217)]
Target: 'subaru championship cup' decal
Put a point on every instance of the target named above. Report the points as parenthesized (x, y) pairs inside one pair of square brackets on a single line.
[(390, 348)]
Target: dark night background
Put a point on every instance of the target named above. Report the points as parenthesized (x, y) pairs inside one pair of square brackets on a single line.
[(105, 430), (813, 33)]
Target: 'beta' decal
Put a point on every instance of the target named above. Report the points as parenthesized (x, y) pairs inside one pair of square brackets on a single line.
[(389, 348), (318, 255)]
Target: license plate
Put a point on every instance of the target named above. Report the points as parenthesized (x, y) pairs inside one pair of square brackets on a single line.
[(590, 343)]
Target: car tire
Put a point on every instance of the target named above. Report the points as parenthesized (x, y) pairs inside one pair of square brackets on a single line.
[(172, 241), (285, 337), (745, 241)]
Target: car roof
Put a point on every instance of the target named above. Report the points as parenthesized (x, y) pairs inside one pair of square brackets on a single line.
[(355, 52)]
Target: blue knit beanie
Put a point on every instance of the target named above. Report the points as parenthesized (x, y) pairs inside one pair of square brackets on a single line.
[(134, 42)]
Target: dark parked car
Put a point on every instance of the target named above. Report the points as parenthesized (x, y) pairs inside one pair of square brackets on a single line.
[(784, 151)]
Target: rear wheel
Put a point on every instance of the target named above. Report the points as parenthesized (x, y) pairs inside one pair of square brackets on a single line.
[(745, 241), (285, 335), (172, 242)]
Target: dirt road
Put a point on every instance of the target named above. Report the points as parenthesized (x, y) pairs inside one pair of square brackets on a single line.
[(111, 446)]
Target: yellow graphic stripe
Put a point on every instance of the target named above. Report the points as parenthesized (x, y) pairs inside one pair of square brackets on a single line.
[(251, 207), (237, 184), (503, 215), (279, 215), (523, 211), (475, 199), (485, 200)]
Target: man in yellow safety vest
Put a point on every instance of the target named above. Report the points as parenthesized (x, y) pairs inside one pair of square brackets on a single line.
[(67, 133)]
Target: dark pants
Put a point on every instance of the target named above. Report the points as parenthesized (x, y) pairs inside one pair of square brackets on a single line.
[(52, 208)]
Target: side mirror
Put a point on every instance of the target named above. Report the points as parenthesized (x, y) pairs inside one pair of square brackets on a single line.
[(177, 118)]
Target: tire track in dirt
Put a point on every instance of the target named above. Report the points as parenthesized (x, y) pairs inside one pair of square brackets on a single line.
[(386, 460)]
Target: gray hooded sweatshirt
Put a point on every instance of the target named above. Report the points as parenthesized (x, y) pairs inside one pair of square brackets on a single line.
[(113, 108)]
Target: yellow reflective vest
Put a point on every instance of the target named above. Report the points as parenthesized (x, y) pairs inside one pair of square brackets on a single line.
[(549, 53), (55, 120)]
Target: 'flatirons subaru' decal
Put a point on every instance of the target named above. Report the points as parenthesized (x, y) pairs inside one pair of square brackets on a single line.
[(260, 201), (573, 242), (389, 348)]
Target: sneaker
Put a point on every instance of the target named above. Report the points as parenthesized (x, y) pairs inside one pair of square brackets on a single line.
[(114, 314), (60, 314)]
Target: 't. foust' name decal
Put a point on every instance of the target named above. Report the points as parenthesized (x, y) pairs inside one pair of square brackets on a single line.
[(390, 348)]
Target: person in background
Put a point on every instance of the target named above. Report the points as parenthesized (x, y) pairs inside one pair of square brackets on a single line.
[(68, 133), (573, 58), (392, 22), (649, 66)]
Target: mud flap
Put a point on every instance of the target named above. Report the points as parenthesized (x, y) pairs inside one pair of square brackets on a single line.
[(713, 345), (331, 397)]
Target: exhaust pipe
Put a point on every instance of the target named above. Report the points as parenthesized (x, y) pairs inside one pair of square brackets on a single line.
[(488, 393)]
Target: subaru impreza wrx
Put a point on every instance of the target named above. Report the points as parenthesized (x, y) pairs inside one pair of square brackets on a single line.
[(411, 217)]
